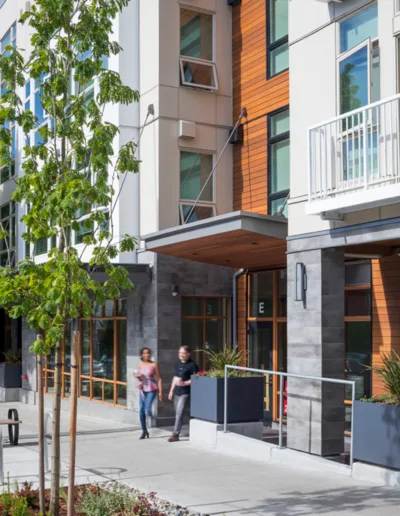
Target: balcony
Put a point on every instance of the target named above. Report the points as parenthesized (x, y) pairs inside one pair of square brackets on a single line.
[(354, 160)]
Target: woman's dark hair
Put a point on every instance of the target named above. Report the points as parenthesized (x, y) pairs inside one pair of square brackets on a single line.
[(143, 350), (185, 348)]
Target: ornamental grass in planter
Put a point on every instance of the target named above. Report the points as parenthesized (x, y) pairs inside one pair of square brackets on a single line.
[(245, 391), (377, 419)]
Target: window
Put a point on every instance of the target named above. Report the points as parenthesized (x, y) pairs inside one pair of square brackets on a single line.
[(102, 368), (204, 326), (195, 170), (358, 331), (278, 162), (8, 223), (85, 228), (7, 163), (359, 61), (277, 37), (9, 39), (197, 68)]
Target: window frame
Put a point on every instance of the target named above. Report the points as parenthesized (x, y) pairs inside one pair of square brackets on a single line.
[(206, 62), (192, 202), (282, 194), (89, 377), (12, 218), (271, 46), (194, 85), (204, 318)]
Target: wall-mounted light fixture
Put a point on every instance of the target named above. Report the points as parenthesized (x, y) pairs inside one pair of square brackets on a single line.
[(174, 290), (300, 281)]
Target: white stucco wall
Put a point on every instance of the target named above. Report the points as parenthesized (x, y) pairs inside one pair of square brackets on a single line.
[(313, 38)]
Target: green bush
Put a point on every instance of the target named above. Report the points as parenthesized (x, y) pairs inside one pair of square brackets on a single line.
[(389, 371), (102, 502)]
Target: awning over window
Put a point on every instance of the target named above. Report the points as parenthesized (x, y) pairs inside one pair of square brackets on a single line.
[(238, 239)]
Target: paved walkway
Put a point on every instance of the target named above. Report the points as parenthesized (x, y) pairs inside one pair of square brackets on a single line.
[(202, 479)]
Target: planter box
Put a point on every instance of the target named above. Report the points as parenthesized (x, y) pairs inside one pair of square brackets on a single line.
[(377, 434), (10, 375), (245, 399)]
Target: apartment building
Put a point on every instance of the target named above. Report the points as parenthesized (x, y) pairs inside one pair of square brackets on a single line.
[(283, 241), (314, 242), (178, 55)]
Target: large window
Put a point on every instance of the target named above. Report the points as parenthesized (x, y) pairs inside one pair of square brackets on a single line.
[(278, 161), (204, 326), (277, 37), (195, 183), (102, 368), (359, 61), (197, 67), (7, 167), (9, 39), (8, 224)]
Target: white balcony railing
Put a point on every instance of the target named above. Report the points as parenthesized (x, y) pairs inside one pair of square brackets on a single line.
[(354, 159)]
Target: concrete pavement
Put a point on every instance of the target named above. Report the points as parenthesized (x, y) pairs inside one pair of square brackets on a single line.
[(202, 479)]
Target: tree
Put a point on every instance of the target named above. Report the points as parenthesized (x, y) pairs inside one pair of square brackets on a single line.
[(70, 171)]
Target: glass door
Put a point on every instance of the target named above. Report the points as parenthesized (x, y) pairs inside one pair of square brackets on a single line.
[(260, 357)]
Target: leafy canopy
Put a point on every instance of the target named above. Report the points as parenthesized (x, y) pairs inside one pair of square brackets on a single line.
[(70, 167)]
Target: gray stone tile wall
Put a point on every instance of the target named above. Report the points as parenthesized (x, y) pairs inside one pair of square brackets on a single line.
[(316, 348)]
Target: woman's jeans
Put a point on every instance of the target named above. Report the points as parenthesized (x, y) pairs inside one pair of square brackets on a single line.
[(145, 402)]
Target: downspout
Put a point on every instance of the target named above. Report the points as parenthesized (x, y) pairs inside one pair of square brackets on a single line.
[(238, 273)]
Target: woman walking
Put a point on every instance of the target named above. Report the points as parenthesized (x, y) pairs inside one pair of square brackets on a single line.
[(149, 384)]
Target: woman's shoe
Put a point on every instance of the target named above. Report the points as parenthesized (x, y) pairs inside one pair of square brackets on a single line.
[(144, 435)]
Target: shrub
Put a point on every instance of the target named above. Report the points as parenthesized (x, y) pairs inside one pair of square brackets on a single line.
[(389, 371)]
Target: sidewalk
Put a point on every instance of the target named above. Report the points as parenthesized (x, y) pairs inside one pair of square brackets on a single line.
[(202, 479)]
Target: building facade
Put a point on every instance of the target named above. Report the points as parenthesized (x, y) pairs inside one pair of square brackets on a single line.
[(178, 55), (306, 188)]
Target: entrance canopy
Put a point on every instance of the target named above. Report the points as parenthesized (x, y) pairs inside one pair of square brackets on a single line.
[(238, 239)]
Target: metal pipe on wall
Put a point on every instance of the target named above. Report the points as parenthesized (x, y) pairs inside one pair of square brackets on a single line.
[(236, 275)]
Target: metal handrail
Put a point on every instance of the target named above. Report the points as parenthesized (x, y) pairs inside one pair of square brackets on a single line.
[(290, 375), (355, 112), (47, 416)]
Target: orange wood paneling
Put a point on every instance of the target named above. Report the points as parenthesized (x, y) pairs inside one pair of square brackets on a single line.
[(385, 312), (252, 89)]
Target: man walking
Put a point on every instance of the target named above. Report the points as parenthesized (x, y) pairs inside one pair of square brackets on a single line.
[(180, 388)]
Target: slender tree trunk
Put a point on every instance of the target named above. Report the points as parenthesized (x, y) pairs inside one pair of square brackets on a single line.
[(55, 464), (72, 428), (40, 359)]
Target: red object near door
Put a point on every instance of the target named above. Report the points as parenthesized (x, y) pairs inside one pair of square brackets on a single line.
[(285, 398)]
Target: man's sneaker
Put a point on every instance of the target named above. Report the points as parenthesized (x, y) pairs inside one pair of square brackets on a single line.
[(173, 439)]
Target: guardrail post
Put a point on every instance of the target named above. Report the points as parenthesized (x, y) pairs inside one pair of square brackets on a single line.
[(281, 411), (226, 400), (353, 399), (1, 458)]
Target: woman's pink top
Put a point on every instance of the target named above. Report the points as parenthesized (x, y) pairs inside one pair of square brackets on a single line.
[(149, 381)]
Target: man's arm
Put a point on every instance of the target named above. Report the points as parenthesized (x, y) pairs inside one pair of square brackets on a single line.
[(171, 391)]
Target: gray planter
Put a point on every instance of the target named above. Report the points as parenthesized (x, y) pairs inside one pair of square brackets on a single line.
[(10, 375), (377, 434), (245, 399)]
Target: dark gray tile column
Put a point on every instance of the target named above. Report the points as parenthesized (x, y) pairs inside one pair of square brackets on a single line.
[(316, 348)]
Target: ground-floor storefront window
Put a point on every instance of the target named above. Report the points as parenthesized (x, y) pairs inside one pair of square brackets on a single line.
[(102, 368), (205, 326)]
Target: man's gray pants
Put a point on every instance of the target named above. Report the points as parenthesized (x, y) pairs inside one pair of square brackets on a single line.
[(180, 403)]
